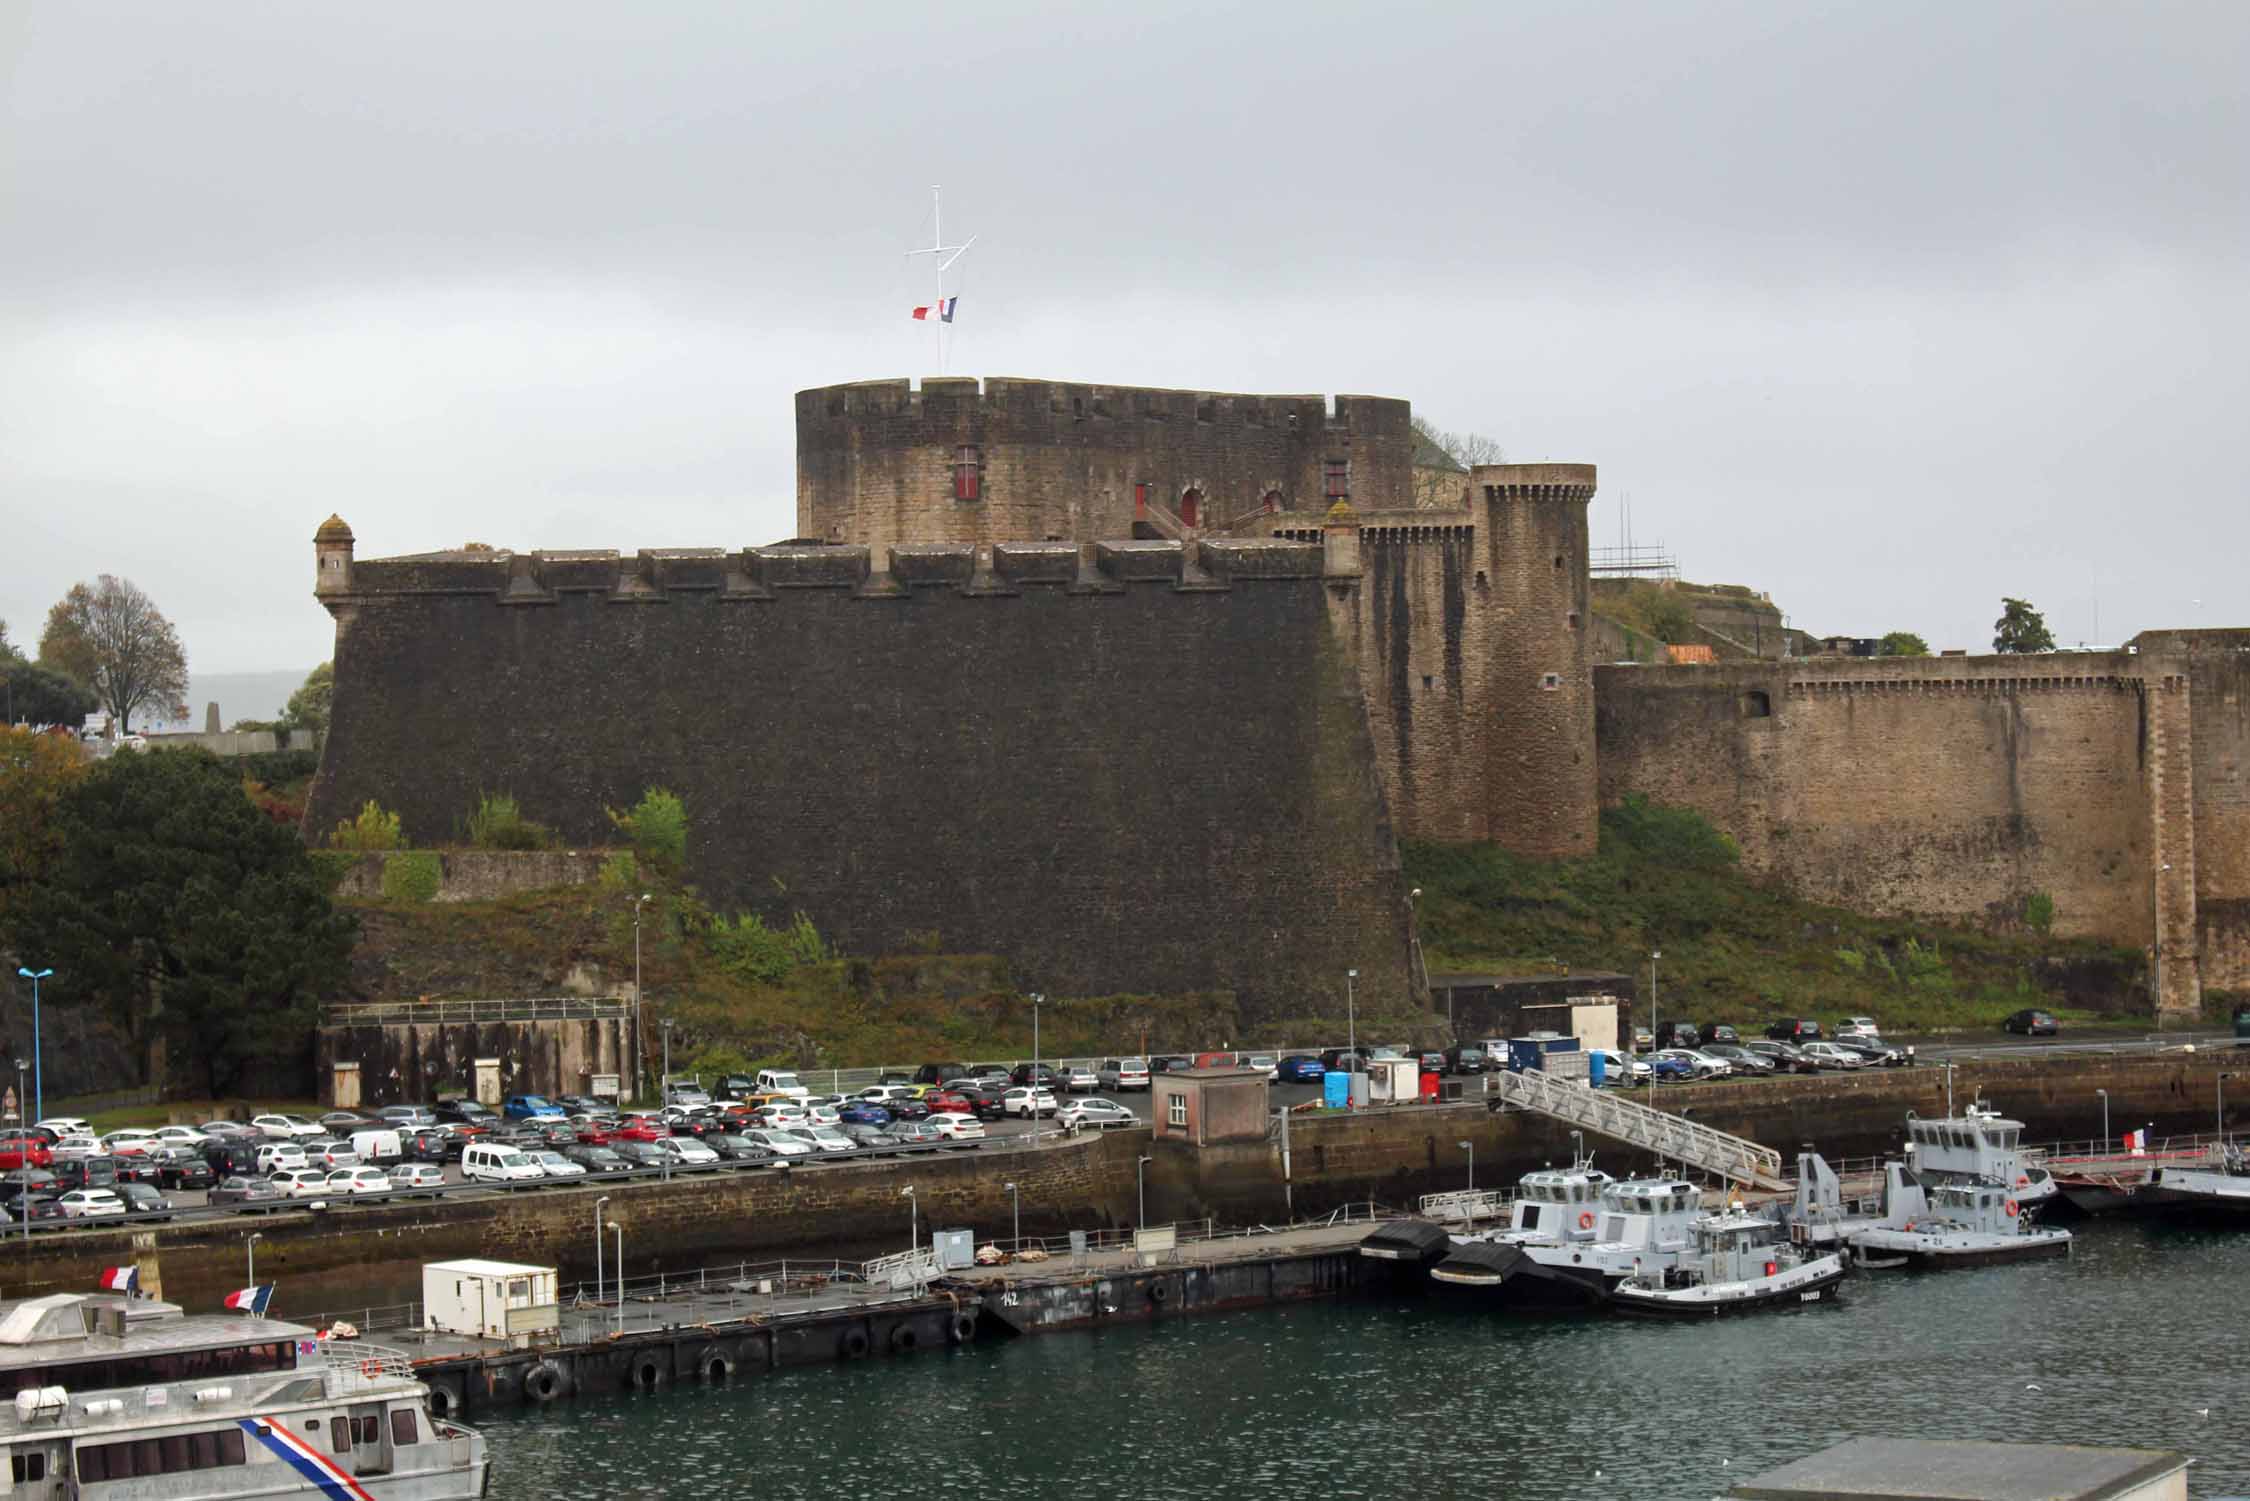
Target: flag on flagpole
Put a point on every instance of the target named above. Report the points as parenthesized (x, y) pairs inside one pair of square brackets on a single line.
[(251, 1299), (121, 1279), (2136, 1142), (942, 310)]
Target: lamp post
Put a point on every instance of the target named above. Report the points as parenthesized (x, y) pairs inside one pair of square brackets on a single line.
[(1031, 1101), (1351, 1019), (1470, 1147), (665, 1083), (2105, 1116), (38, 1078), (638, 902), (1140, 1181), (1015, 1213), (1414, 947), (1655, 1074), (23, 1173), (2223, 1105), (618, 1230), (250, 1250), (598, 1203)]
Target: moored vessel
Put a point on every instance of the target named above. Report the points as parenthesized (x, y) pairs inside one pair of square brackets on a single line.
[(1736, 1264)]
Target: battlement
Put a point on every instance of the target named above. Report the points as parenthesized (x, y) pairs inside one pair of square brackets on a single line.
[(2047, 672), (1004, 402), (655, 575)]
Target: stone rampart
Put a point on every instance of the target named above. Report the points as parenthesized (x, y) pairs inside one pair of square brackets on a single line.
[(1129, 766), (480, 875)]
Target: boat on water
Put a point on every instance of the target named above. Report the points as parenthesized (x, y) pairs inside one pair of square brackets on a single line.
[(136, 1399), (1551, 1206), (1978, 1146), (1934, 1226), (2221, 1192), (1737, 1263), (1634, 1223)]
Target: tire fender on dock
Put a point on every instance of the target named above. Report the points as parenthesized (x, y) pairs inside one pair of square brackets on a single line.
[(646, 1372), (854, 1344), (546, 1382), (963, 1329), (714, 1365), (448, 1395), (904, 1339)]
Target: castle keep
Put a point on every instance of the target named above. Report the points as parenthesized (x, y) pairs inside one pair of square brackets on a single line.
[(1139, 688)]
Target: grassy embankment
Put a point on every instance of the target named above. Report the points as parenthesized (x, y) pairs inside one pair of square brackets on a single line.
[(1737, 950)]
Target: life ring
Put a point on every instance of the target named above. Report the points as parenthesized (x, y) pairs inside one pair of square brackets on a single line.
[(544, 1382), (2011, 1208), (964, 1328), (715, 1364), (904, 1339), (371, 1368), (1909, 1226), (855, 1343), (1586, 1219), (2022, 1181)]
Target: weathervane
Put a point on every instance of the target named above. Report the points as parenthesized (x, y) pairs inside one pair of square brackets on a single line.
[(939, 312)]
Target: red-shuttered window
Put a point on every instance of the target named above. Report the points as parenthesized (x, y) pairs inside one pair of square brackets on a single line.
[(966, 466)]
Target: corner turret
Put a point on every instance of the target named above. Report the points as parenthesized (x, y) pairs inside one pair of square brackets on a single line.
[(1339, 542), (332, 557)]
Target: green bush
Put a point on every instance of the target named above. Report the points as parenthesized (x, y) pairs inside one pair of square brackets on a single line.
[(656, 828), (498, 824), (748, 948), (2039, 911), (278, 768), (621, 872), (412, 876), (373, 829), (332, 866), (1678, 838)]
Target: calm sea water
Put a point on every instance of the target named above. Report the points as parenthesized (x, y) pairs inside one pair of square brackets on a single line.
[(1411, 1398)]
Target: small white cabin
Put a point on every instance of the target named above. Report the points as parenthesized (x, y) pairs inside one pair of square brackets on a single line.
[(490, 1300)]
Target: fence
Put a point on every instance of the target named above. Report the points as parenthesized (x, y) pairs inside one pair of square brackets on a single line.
[(530, 1009)]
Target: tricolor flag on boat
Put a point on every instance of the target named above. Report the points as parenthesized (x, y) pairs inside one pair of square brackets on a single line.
[(121, 1279), (942, 309), (2136, 1142), (251, 1299)]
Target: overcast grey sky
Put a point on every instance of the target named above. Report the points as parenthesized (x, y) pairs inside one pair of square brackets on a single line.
[(1886, 308)]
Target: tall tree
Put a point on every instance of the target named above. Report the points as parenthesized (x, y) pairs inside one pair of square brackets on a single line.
[(35, 771), (1903, 644), (1442, 461), (179, 907), (2020, 628), (308, 706), (34, 695), (111, 637)]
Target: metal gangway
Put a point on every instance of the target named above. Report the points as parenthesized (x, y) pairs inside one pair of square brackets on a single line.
[(1671, 1137)]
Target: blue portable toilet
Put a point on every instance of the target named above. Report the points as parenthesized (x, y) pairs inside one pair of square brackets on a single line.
[(1336, 1089), (1597, 1068)]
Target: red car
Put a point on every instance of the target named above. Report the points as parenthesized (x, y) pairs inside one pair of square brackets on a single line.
[(946, 1102), (595, 1134), (641, 1128), (14, 1149)]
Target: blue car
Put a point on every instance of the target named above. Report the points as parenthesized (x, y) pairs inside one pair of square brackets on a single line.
[(862, 1113), (1300, 1068), (530, 1107), (1661, 1067)]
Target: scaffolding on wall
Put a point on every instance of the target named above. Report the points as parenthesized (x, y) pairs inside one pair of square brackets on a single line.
[(1634, 561)]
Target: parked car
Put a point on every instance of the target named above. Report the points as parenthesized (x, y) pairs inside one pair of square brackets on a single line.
[(1877, 1054), (1079, 1078), (948, 1102), (178, 1167), (1095, 1114), (300, 1182), (287, 1127), (437, 1144), (781, 1143), (938, 1073), (35, 1180), (908, 1108), (1022, 1074), (1742, 1059), (555, 1165), (22, 1147), (686, 1094), (642, 1128), (1678, 1035), (868, 1138), (1270, 1062), (1465, 1058), (1797, 1029), (2032, 1022), (1861, 1028), (1027, 1102), (238, 1156), (1620, 1071), (1699, 1064), (733, 1148), (599, 1160), (530, 1107), (407, 1117), (86, 1172), (1121, 1073), (182, 1136), (1669, 1066), (1643, 1040), (781, 1081), (956, 1127), (468, 1112), (76, 1146), (490, 1162), (60, 1126), (413, 1175), (143, 1199), (127, 1143), (90, 1204), (1301, 1068), (1170, 1063), (1828, 1055), (359, 1180), (331, 1154), (245, 1191), (1719, 1032), (342, 1123), (1787, 1057), (687, 1152), (915, 1133), (863, 1113)]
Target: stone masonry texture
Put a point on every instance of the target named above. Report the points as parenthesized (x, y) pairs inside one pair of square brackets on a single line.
[(1121, 772)]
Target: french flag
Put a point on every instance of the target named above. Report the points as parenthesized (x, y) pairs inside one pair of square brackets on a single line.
[(942, 309), (121, 1279), (251, 1299), (2136, 1142)]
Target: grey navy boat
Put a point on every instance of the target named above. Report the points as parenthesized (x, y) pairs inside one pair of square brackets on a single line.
[(1636, 1223), (138, 1400), (1737, 1264)]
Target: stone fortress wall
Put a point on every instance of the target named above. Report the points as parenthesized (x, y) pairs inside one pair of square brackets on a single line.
[(1140, 766)]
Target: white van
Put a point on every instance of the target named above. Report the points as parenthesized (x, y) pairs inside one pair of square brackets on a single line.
[(377, 1146), (497, 1164), (782, 1082)]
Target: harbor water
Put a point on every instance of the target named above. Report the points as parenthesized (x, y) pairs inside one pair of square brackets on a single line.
[(2122, 1343)]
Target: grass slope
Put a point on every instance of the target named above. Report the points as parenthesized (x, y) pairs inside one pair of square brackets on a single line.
[(1735, 950)]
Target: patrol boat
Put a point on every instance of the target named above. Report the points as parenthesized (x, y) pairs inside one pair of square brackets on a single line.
[(2219, 1192), (136, 1399), (1915, 1222), (1551, 1205), (1978, 1146), (1637, 1223), (1737, 1264)]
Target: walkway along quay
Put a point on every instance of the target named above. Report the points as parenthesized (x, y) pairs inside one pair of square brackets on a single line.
[(731, 1323), (371, 1252)]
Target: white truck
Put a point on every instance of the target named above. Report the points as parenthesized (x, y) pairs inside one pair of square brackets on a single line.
[(780, 1081)]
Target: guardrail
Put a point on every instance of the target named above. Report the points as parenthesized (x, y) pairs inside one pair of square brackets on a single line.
[(533, 1008)]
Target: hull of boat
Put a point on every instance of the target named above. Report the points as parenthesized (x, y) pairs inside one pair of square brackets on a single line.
[(1516, 1282), (1695, 1303)]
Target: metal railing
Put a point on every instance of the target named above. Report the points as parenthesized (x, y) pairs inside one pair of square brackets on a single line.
[(354, 1365), (530, 1008), (1469, 1204), (1672, 1136)]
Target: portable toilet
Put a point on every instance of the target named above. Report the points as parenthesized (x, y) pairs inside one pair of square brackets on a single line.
[(1597, 1070), (1336, 1090)]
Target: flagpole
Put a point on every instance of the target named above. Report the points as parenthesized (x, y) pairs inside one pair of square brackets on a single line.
[(942, 256)]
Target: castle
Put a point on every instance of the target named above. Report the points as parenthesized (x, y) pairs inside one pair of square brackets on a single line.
[(1140, 688)]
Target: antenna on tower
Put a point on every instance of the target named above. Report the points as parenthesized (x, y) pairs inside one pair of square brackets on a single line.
[(942, 256)]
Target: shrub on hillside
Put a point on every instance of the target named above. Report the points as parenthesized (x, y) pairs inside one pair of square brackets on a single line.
[(750, 949), (656, 827), (412, 876), (498, 824), (373, 829), (1678, 838)]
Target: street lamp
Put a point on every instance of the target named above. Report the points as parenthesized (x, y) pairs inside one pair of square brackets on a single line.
[(1470, 1147), (638, 903), (1655, 1074), (913, 1220), (598, 1203), (1032, 1078), (618, 1230), (38, 1079), (1414, 944), (1351, 1020), (23, 1186), (2105, 1117), (665, 1083), (1140, 1180), (1015, 1211), (250, 1250)]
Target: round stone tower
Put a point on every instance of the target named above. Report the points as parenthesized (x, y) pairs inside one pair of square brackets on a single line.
[(332, 557), (1540, 788)]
